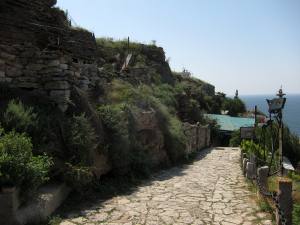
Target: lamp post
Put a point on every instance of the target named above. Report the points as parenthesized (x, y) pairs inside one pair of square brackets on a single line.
[(280, 149), (276, 106)]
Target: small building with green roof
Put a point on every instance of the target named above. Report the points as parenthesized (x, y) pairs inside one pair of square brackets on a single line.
[(229, 124)]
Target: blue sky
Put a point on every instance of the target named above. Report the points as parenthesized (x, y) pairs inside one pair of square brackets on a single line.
[(249, 45)]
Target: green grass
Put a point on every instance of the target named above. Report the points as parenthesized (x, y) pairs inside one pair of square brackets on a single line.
[(262, 202), (296, 214), (55, 220)]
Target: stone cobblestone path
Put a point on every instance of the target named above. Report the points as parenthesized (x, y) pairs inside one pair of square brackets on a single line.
[(211, 190)]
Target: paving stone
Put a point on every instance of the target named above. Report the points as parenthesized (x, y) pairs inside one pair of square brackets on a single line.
[(212, 190)]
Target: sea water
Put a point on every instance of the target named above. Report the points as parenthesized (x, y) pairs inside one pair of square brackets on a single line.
[(291, 112)]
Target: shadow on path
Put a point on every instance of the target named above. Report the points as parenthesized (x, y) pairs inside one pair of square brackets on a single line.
[(110, 187)]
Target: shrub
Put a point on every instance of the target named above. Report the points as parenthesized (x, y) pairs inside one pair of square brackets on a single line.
[(235, 139), (123, 92), (18, 166), (294, 176), (193, 111), (175, 140), (55, 220), (124, 98), (171, 126), (78, 176), (234, 106), (166, 94), (296, 214), (18, 117), (80, 139), (249, 147), (115, 120), (124, 150), (291, 144)]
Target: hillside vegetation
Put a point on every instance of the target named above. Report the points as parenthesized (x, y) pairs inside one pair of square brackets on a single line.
[(105, 121)]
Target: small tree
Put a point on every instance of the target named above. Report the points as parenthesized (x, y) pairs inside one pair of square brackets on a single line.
[(18, 117), (18, 166), (234, 106)]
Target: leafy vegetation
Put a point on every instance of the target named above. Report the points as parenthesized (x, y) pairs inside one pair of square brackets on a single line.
[(234, 106), (124, 100), (70, 138), (291, 144), (235, 139), (125, 152), (18, 117), (18, 166), (250, 147), (80, 141), (296, 214)]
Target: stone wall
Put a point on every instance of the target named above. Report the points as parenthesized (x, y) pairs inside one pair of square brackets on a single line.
[(40, 51), (198, 137), (51, 73), (46, 27), (150, 135), (37, 210)]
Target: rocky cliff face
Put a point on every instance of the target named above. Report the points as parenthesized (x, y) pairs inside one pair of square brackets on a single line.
[(41, 53), (46, 27)]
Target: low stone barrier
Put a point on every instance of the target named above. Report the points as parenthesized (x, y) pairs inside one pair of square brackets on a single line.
[(285, 201), (198, 137), (282, 199), (8, 206), (49, 198)]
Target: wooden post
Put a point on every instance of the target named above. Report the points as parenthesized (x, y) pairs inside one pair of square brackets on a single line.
[(285, 200), (255, 116), (250, 170), (253, 161), (280, 144), (245, 161), (262, 174), (244, 156)]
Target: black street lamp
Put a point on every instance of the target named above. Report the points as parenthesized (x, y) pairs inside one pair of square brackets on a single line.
[(276, 106)]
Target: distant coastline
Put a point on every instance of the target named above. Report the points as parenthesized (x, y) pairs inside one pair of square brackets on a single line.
[(291, 111)]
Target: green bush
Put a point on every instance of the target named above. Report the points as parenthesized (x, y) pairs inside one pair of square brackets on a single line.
[(18, 166), (235, 139), (294, 176), (125, 98), (250, 147), (55, 220), (296, 214), (124, 149), (166, 94), (171, 126), (18, 117), (115, 120), (78, 176), (234, 106), (291, 144), (80, 139), (175, 140)]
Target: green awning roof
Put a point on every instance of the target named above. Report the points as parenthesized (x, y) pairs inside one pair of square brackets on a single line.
[(229, 123)]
